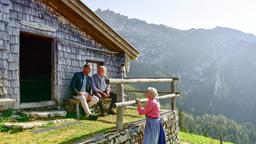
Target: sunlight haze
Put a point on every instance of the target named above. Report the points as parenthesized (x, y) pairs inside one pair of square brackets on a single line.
[(186, 14)]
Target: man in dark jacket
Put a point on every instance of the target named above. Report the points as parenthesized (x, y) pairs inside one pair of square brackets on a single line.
[(81, 88), (101, 89)]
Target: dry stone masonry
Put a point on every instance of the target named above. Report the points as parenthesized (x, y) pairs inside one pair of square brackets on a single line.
[(134, 133)]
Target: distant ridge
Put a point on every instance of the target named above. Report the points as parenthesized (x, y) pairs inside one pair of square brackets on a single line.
[(217, 66)]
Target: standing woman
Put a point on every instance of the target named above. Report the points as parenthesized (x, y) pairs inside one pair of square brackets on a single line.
[(153, 133)]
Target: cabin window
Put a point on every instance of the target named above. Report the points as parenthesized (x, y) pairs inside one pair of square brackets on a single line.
[(94, 66)]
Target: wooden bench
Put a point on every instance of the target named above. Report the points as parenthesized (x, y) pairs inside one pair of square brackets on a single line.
[(77, 102)]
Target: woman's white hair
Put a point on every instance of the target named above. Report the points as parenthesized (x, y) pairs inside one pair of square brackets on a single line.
[(153, 91)]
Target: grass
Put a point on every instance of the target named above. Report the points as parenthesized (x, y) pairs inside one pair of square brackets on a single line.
[(84, 130), (197, 139), (68, 134)]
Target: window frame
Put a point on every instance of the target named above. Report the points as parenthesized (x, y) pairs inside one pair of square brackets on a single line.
[(94, 66)]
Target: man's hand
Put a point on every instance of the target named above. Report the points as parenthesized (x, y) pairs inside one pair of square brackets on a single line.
[(103, 94), (89, 98), (108, 93)]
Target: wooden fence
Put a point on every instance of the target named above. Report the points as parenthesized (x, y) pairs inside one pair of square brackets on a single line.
[(172, 94)]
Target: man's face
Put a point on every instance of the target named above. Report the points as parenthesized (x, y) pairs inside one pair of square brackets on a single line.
[(87, 70), (101, 72)]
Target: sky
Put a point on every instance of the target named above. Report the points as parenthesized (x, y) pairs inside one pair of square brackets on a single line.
[(186, 14)]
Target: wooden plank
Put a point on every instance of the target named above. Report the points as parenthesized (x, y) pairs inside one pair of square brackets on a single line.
[(39, 26), (127, 81), (74, 100), (141, 91), (174, 78), (61, 40), (131, 102), (77, 111)]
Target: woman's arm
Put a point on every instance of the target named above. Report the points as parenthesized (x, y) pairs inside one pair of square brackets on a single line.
[(148, 108)]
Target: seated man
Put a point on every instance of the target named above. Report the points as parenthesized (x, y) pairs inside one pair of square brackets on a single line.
[(101, 89), (81, 88)]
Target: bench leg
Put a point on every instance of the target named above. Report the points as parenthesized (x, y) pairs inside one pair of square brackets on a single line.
[(77, 111)]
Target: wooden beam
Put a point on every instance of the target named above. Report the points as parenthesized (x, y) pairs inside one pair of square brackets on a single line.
[(131, 102), (88, 21), (61, 40), (174, 78), (141, 91), (127, 81), (106, 29)]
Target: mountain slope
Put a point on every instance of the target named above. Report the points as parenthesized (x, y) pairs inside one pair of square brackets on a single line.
[(216, 66), (188, 138)]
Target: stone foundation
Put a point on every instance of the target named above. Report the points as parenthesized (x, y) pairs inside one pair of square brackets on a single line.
[(133, 134), (6, 103)]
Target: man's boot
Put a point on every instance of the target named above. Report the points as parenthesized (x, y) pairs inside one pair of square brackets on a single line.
[(93, 117), (110, 110), (112, 104), (102, 113)]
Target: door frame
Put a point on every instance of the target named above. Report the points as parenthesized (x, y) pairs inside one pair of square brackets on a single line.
[(54, 98)]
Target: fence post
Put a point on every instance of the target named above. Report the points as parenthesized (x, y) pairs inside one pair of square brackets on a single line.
[(173, 100), (120, 98)]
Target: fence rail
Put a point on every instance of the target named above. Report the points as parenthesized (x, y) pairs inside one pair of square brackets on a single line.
[(131, 102), (141, 91), (172, 94), (137, 80)]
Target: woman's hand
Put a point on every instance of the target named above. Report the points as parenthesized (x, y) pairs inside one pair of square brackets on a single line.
[(138, 102)]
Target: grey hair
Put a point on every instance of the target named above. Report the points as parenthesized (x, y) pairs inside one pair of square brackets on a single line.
[(103, 67), (153, 91)]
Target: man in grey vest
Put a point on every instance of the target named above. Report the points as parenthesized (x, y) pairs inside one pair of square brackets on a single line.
[(101, 89)]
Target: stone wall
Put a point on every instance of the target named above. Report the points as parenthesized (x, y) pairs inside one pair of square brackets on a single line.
[(6, 53), (134, 133), (71, 46)]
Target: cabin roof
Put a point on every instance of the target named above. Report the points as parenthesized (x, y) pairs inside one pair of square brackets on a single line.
[(81, 16)]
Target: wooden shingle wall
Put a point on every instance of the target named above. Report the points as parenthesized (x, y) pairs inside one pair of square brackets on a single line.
[(71, 46)]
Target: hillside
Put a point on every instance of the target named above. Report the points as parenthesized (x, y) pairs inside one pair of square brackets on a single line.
[(217, 65), (188, 138)]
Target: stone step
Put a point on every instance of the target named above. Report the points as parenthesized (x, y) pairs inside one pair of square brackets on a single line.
[(35, 124), (6, 103), (45, 114)]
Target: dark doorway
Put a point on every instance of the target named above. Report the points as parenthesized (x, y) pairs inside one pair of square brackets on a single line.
[(35, 67)]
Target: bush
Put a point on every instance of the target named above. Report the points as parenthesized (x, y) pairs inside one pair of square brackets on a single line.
[(7, 113)]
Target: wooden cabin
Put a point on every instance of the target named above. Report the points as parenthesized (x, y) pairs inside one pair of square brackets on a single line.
[(44, 42)]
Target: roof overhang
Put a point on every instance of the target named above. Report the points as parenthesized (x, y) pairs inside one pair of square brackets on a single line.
[(87, 21)]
